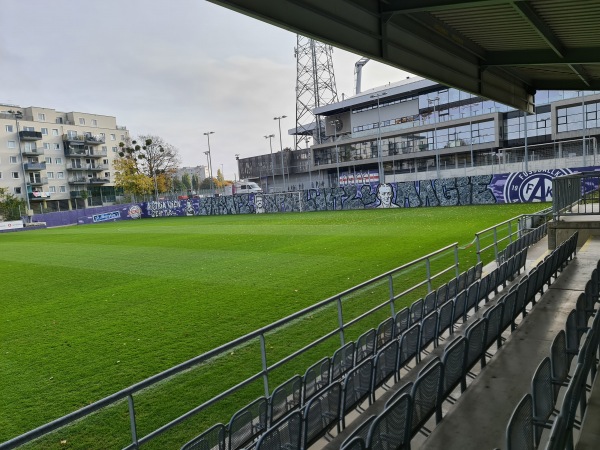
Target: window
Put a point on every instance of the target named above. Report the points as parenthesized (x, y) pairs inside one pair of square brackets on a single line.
[(13, 160), (56, 146), (104, 149), (105, 162), (52, 189), (60, 175), (46, 146), (48, 160), (62, 189), (71, 134), (41, 117), (9, 128), (102, 136), (11, 144), (54, 132), (114, 149), (106, 174), (50, 175), (94, 123), (81, 121), (123, 137), (15, 175), (0, 175), (113, 137), (29, 128), (58, 160), (45, 131), (17, 190)]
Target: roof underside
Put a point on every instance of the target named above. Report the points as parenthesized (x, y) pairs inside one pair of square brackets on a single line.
[(501, 49)]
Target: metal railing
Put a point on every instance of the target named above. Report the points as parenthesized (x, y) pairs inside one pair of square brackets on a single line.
[(392, 287), (504, 233), (576, 194)]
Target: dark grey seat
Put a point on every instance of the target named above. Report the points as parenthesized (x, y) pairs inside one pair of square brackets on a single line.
[(248, 423), (357, 387), (285, 398), (385, 333), (211, 439), (285, 435), (365, 345), (519, 432), (416, 311), (361, 434), (445, 319), (428, 331), (401, 321), (542, 394), (391, 429), (322, 413), (342, 361), (454, 360), (386, 365), (426, 395), (429, 303), (409, 345), (316, 378)]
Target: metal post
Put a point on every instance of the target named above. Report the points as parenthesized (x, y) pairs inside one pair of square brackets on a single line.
[(437, 153), (207, 134), (428, 270), (456, 262), (391, 286), (281, 149), (270, 138), (379, 153), (496, 243), (478, 246), (132, 423), (265, 368), (334, 123), (341, 321), (526, 153), (584, 146)]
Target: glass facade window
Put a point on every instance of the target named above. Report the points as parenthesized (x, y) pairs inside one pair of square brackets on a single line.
[(570, 118)]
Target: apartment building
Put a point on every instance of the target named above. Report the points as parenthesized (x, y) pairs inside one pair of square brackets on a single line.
[(58, 160)]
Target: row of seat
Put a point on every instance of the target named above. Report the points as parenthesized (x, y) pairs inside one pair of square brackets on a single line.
[(536, 410), (415, 403), (524, 241), (358, 368)]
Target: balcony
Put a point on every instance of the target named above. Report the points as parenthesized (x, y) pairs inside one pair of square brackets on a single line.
[(78, 180), (96, 180), (96, 167), (35, 166), (97, 153), (28, 136), (94, 140), (77, 167), (73, 139), (89, 152), (38, 181), (77, 194), (33, 152), (39, 196)]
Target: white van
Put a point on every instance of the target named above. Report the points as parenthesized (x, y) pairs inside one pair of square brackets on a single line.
[(247, 187)]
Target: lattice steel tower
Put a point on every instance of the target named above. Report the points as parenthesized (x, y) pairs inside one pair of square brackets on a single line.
[(315, 86)]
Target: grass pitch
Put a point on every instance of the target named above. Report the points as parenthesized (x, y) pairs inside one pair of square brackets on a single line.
[(89, 310)]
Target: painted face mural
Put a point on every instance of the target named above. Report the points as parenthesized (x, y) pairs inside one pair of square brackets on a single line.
[(384, 194)]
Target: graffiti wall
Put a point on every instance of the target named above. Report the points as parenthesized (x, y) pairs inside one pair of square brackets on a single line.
[(515, 187)]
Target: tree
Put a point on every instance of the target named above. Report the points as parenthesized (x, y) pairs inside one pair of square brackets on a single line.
[(128, 177), (178, 186), (186, 181), (139, 165), (195, 182), (11, 207)]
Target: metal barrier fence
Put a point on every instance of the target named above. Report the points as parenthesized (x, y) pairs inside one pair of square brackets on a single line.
[(576, 194), (504, 233), (391, 286)]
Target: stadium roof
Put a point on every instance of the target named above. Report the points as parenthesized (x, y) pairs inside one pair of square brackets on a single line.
[(500, 49)]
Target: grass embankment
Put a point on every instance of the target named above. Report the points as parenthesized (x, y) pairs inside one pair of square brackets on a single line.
[(89, 310)]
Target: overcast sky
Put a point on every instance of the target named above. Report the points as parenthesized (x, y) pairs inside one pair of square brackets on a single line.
[(173, 68)]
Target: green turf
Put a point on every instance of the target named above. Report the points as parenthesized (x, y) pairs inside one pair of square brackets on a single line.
[(89, 310)]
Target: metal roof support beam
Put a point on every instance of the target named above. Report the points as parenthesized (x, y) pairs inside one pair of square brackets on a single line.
[(413, 6), (529, 14), (542, 57)]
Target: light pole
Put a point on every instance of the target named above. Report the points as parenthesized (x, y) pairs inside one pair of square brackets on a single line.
[(270, 138), (334, 123), (583, 143), (207, 134), (379, 155), (281, 148), (237, 158), (437, 153)]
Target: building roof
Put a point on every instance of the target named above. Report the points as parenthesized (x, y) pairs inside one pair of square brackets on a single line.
[(500, 49)]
